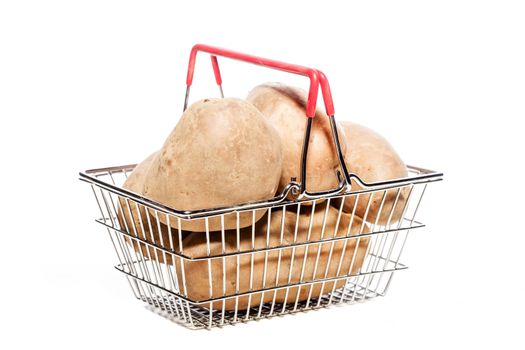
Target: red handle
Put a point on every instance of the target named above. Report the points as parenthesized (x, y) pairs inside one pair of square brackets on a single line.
[(216, 70), (327, 94), (312, 74)]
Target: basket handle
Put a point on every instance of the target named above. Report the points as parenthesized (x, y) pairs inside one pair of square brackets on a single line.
[(316, 77), (323, 82), (327, 94)]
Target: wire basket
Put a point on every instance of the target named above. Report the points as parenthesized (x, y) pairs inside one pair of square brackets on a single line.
[(303, 254)]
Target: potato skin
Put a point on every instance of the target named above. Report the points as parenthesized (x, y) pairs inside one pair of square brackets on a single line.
[(221, 153), (284, 107), (371, 157), (135, 218), (197, 272)]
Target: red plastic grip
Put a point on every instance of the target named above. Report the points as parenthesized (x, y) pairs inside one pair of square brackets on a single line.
[(216, 70), (327, 94), (311, 73)]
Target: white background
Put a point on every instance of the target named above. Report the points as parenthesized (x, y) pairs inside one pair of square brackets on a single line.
[(98, 83)]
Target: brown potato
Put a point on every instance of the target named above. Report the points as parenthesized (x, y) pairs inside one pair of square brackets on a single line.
[(196, 272), (221, 153), (371, 157), (135, 220), (284, 107)]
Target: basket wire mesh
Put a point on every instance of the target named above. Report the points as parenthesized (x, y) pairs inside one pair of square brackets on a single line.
[(159, 269)]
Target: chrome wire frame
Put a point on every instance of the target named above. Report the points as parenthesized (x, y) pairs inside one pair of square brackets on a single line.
[(151, 251)]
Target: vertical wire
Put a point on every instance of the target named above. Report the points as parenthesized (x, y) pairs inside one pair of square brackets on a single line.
[(305, 255), (146, 256), (371, 242), (374, 256), (265, 267), (173, 279), (396, 234), (292, 257), (141, 261), (250, 289), (223, 247), (345, 244), (372, 230), (411, 224), (123, 247), (329, 260), (119, 226), (133, 233), (278, 260), (155, 249), (388, 223), (109, 232), (208, 252), (319, 248), (380, 254), (173, 274), (126, 252), (356, 248), (238, 263), (155, 267), (131, 285), (108, 210), (182, 269)]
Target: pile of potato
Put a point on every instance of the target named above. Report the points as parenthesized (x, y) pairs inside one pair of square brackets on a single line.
[(224, 152)]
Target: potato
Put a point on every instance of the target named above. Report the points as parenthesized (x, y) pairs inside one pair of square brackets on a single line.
[(197, 272), (371, 157), (134, 218), (284, 107), (221, 153)]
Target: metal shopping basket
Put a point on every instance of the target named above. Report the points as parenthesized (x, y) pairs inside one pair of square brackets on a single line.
[(317, 256)]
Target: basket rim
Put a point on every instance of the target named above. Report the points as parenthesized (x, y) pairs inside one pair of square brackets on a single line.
[(91, 176)]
